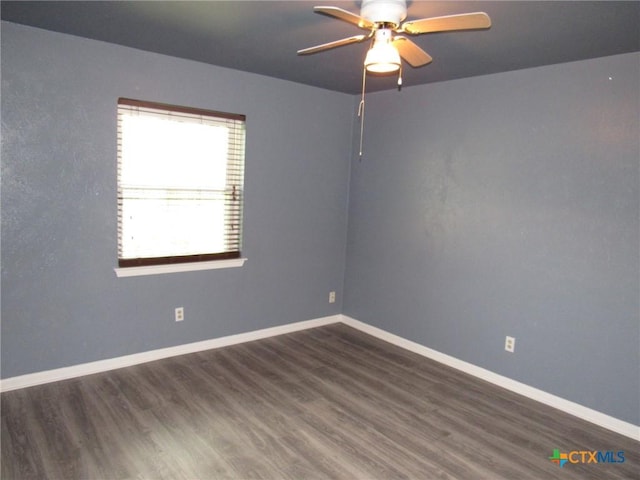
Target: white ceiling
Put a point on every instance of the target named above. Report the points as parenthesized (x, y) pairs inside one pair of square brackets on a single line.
[(263, 36)]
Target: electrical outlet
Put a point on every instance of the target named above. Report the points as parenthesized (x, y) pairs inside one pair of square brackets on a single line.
[(332, 297), (179, 314), (510, 344)]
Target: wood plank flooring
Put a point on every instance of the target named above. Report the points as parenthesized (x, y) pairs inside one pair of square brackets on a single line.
[(325, 403)]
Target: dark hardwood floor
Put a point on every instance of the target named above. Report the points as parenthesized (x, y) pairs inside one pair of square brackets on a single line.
[(326, 403)]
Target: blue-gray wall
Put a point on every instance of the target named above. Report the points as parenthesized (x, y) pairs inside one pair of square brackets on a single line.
[(483, 207), (508, 205), (62, 303)]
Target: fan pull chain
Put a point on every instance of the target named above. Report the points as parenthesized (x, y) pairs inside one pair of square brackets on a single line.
[(361, 110), (400, 78)]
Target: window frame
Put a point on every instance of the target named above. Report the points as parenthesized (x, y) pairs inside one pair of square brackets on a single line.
[(207, 260)]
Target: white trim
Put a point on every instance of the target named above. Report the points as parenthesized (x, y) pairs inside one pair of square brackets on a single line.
[(178, 267), (606, 421), (611, 423), (74, 371)]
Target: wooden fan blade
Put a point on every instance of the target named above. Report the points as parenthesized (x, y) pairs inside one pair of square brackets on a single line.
[(345, 15), (412, 53), (327, 46), (464, 21)]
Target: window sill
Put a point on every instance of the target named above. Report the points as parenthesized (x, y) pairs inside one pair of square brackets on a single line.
[(178, 267)]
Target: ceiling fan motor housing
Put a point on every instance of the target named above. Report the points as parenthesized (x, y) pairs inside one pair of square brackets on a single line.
[(384, 11)]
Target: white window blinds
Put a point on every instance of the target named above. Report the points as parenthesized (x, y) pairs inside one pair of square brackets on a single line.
[(180, 184)]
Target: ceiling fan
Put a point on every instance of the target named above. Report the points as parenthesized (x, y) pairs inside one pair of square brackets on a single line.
[(383, 21)]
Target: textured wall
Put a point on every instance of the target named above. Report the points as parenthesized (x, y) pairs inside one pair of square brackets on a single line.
[(508, 205), (61, 301), (484, 207)]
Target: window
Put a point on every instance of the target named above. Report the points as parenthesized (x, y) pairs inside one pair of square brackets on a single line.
[(180, 184)]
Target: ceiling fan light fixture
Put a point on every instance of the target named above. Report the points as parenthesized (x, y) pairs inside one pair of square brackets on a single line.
[(382, 57)]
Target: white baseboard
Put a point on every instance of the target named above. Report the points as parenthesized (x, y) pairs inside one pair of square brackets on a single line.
[(611, 423), (74, 371)]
